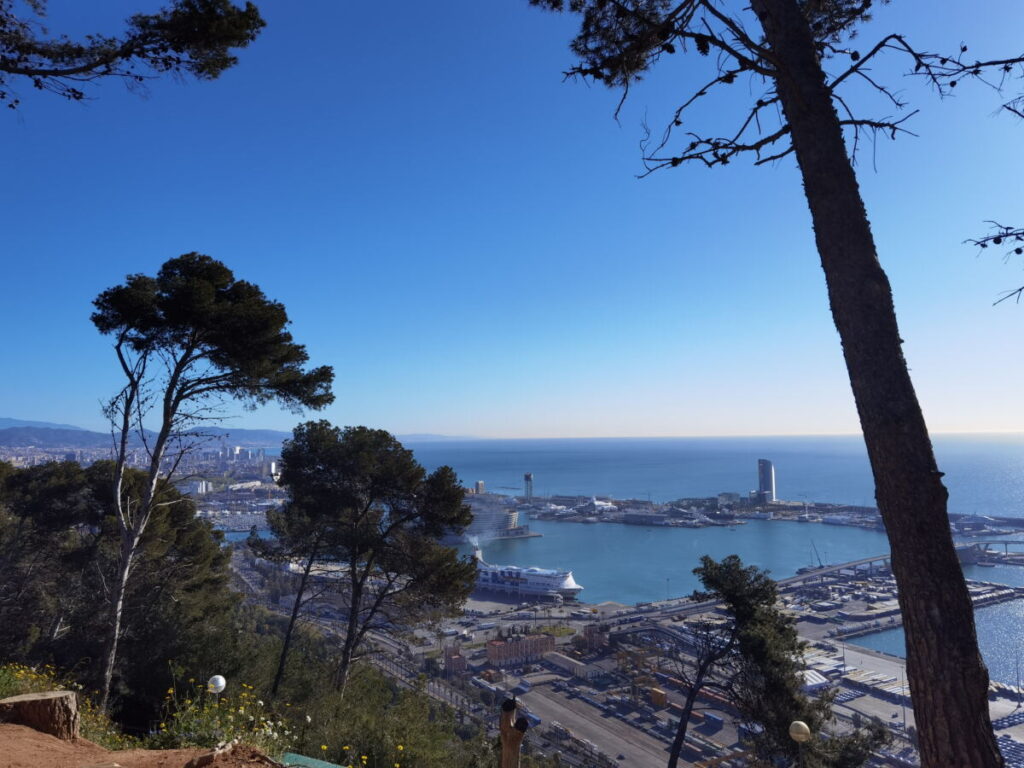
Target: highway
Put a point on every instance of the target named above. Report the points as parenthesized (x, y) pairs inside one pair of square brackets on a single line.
[(611, 735), (830, 570)]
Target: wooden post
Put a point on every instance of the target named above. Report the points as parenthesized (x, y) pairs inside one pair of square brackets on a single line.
[(512, 732)]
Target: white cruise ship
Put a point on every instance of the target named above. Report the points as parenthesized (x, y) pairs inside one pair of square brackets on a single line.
[(538, 582)]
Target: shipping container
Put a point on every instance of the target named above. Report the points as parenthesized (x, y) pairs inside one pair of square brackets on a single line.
[(713, 721), (658, 697)]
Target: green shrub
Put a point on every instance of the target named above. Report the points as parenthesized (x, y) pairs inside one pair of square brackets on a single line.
[(196, 717)]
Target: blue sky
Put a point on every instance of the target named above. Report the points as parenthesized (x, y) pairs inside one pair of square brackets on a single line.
[(462, 235)]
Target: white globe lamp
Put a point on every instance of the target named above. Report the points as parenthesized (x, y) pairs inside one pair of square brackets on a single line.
[(799, 732)]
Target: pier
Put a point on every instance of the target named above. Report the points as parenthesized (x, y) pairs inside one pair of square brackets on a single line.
[(874, 565), (988, 550)]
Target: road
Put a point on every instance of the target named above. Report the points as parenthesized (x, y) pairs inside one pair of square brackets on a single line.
[(611, 735)]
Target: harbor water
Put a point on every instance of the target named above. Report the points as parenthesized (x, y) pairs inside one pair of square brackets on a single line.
[(641, 563), (630, 564), (1000, 628)]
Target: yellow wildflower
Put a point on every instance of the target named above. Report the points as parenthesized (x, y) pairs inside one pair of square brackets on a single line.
[(323, 747)]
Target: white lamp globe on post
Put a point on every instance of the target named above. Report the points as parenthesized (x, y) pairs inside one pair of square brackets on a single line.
[(216, 685), (800, 733)]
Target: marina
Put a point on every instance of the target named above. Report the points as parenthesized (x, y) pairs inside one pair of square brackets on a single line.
[(560, 573), (629, 565)]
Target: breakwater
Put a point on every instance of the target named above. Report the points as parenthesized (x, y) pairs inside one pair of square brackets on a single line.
[(869, 623)]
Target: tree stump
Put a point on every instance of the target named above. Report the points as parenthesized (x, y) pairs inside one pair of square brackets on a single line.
[(53, 712)]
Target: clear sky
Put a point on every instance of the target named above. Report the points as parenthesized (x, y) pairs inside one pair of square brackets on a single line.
[(462, 235)]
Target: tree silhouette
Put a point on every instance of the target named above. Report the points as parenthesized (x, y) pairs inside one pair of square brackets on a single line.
[(360, 502), (797, 57), (192, 37), (186, 341)]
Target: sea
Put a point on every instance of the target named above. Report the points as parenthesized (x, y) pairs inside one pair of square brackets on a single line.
[(630, 564), (984, 473)]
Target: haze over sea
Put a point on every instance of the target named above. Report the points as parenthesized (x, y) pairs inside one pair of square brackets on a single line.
[(629, 564), (984, 473)]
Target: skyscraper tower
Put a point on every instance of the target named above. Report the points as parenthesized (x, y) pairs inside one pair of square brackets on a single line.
[(528, 482), (765, 480)]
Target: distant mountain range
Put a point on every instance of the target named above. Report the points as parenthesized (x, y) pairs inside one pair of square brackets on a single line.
[(52, 437), (72, 437), (6, 423), (47, 435)]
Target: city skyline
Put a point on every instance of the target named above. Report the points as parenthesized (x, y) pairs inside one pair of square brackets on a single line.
[(461, 234)]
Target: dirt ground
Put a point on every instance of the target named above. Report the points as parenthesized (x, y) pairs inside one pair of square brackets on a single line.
[(22, 747)]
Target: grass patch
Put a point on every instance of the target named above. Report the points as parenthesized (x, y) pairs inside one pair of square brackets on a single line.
[(16, 679)]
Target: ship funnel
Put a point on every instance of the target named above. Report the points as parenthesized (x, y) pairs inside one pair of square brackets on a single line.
[(478, 554)]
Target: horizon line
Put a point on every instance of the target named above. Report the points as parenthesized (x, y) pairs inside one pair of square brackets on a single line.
[(944, 433), (451, 437)]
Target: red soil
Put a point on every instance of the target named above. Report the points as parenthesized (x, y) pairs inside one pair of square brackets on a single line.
[(22, 747)]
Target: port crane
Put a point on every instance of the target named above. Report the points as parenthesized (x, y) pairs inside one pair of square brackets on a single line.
[(820, 564)]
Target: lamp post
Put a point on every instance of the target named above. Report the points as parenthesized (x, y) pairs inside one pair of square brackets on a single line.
[(512, 731), (800, 733), (1018, 681), (216, 685)]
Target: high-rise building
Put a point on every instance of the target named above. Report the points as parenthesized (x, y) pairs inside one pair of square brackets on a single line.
[(528, 482), (479, 487), (493, 516), (765, 480)]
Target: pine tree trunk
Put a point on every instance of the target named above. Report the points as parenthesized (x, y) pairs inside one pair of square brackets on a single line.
[(684, 723), (351, 637), (279, 676), (948, 679), (341, 676), (128, 548)]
